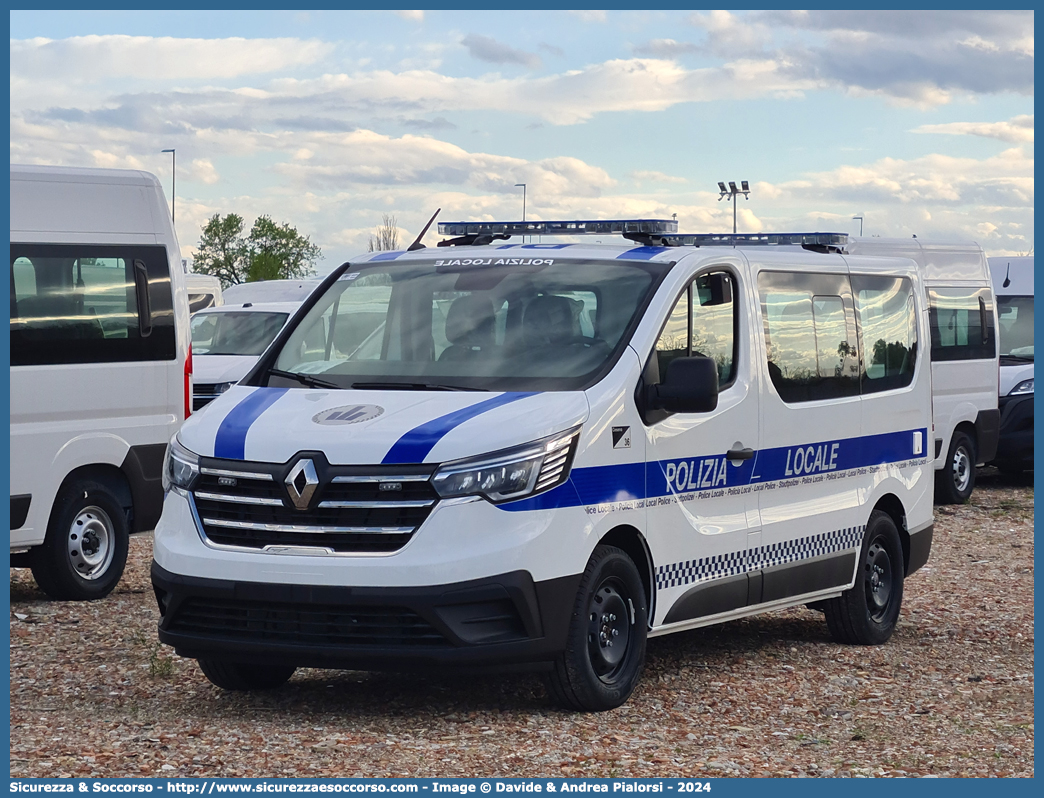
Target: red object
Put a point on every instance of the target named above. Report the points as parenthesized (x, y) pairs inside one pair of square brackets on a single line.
[(188, 383)]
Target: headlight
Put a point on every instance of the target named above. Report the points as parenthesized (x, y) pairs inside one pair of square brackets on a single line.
[(512, 473), (180, 466), (1026, 386), (221, 387)]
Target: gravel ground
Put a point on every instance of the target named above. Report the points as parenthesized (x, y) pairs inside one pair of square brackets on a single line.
[(93, 694)]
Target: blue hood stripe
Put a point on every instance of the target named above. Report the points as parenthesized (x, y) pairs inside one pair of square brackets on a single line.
[(415, 445), (230, 441)]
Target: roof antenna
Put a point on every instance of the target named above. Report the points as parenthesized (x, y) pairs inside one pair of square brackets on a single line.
[(417, 244), (1007, 277)]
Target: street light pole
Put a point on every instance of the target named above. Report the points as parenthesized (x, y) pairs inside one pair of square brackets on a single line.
[(732, 191), (860, 218), (173, 178)]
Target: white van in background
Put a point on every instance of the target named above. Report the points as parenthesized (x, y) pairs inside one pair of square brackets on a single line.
[(100, 369), (227, 341), (1013, 287), (271, 291), (204, 291), (963, 354)]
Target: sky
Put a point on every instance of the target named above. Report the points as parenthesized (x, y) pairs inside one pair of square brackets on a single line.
[(921, 122)]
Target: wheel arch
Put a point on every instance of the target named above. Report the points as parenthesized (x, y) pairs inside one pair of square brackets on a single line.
[(635, 546), (892, 506), (109, 475)]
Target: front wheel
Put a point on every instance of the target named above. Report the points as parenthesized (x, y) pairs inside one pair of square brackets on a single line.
[(866, 613), (605, 649), (245, 676), (85, 550), (955, 482)]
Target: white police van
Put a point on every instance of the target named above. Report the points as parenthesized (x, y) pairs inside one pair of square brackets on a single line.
[(538, 455)]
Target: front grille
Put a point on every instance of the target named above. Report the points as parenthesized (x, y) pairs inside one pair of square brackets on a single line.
[(304, 624), (202, 395), (355, 509)]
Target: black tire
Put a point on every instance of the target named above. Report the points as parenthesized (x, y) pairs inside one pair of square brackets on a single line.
[(955, 481), (245, 676), (866, 614), (85, 550), (605, 648)]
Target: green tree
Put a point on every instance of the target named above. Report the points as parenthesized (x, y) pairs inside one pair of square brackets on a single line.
[(270, 252), (278, 251), (222, 250)]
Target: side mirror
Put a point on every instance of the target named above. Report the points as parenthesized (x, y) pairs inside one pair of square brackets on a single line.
[(690, 386)]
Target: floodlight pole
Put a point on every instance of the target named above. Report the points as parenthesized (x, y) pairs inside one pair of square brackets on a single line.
[(733, 192), (860, 218), (173, 178), (523, 204)]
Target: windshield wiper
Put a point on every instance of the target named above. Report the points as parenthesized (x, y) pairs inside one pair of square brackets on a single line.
[(304, 379), (410, 386), (1018, 358)]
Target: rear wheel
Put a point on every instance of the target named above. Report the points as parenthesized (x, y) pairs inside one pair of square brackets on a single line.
[(83, 556), (245, 676), (605, 650), (866, 614), (955, 482)]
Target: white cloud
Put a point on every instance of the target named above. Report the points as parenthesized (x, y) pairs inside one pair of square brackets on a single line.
[(487, 49), (590, 16), (653, 176), (87, 59), (1017, 130), (202, 169), (412, 16)]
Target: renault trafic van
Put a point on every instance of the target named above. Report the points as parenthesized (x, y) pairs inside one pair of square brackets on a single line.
[(100, 369), (539, 455), (963, 324)]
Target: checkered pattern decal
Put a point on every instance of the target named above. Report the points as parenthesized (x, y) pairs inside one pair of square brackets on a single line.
[(738, 562)]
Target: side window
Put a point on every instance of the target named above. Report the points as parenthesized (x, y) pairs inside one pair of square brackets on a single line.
[(888, 331), (714, 322), (79, 304), (810, 335), (674, 339), (961, 321)]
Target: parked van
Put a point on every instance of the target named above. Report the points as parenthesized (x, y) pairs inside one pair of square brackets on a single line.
[(204, 291), (270, 291), (963, 352), (1013, 287), (591, 445), (100, 369), (227, 341)]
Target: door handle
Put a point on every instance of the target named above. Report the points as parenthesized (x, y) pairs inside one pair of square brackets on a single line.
[(739, 454)]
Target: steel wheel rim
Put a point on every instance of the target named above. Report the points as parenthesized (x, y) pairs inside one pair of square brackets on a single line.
[(878, 579), (609, 629), (90, 543), (962, 469)]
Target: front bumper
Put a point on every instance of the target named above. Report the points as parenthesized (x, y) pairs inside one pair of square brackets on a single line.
[(1015, 446), (502, 622)]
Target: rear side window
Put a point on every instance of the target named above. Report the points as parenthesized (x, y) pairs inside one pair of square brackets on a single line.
[(888, 331), (810, 335), (961, 321), (90, 304)]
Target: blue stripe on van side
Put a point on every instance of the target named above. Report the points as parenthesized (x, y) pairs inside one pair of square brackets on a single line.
[(642, 253), (414, 446), (659, 478), (230, 441)]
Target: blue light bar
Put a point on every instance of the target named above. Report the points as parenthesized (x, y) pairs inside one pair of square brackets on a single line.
[(597, 227), (755, 239)]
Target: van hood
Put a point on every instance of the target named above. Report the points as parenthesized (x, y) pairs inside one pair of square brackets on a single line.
[(1010, 376), (211, 369), (370, 427)]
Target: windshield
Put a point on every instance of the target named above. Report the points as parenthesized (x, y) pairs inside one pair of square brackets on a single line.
[(468, 323), (234, 333), (1015, 314)]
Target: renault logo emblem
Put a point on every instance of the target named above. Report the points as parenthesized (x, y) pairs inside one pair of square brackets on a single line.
[(301, 483)]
